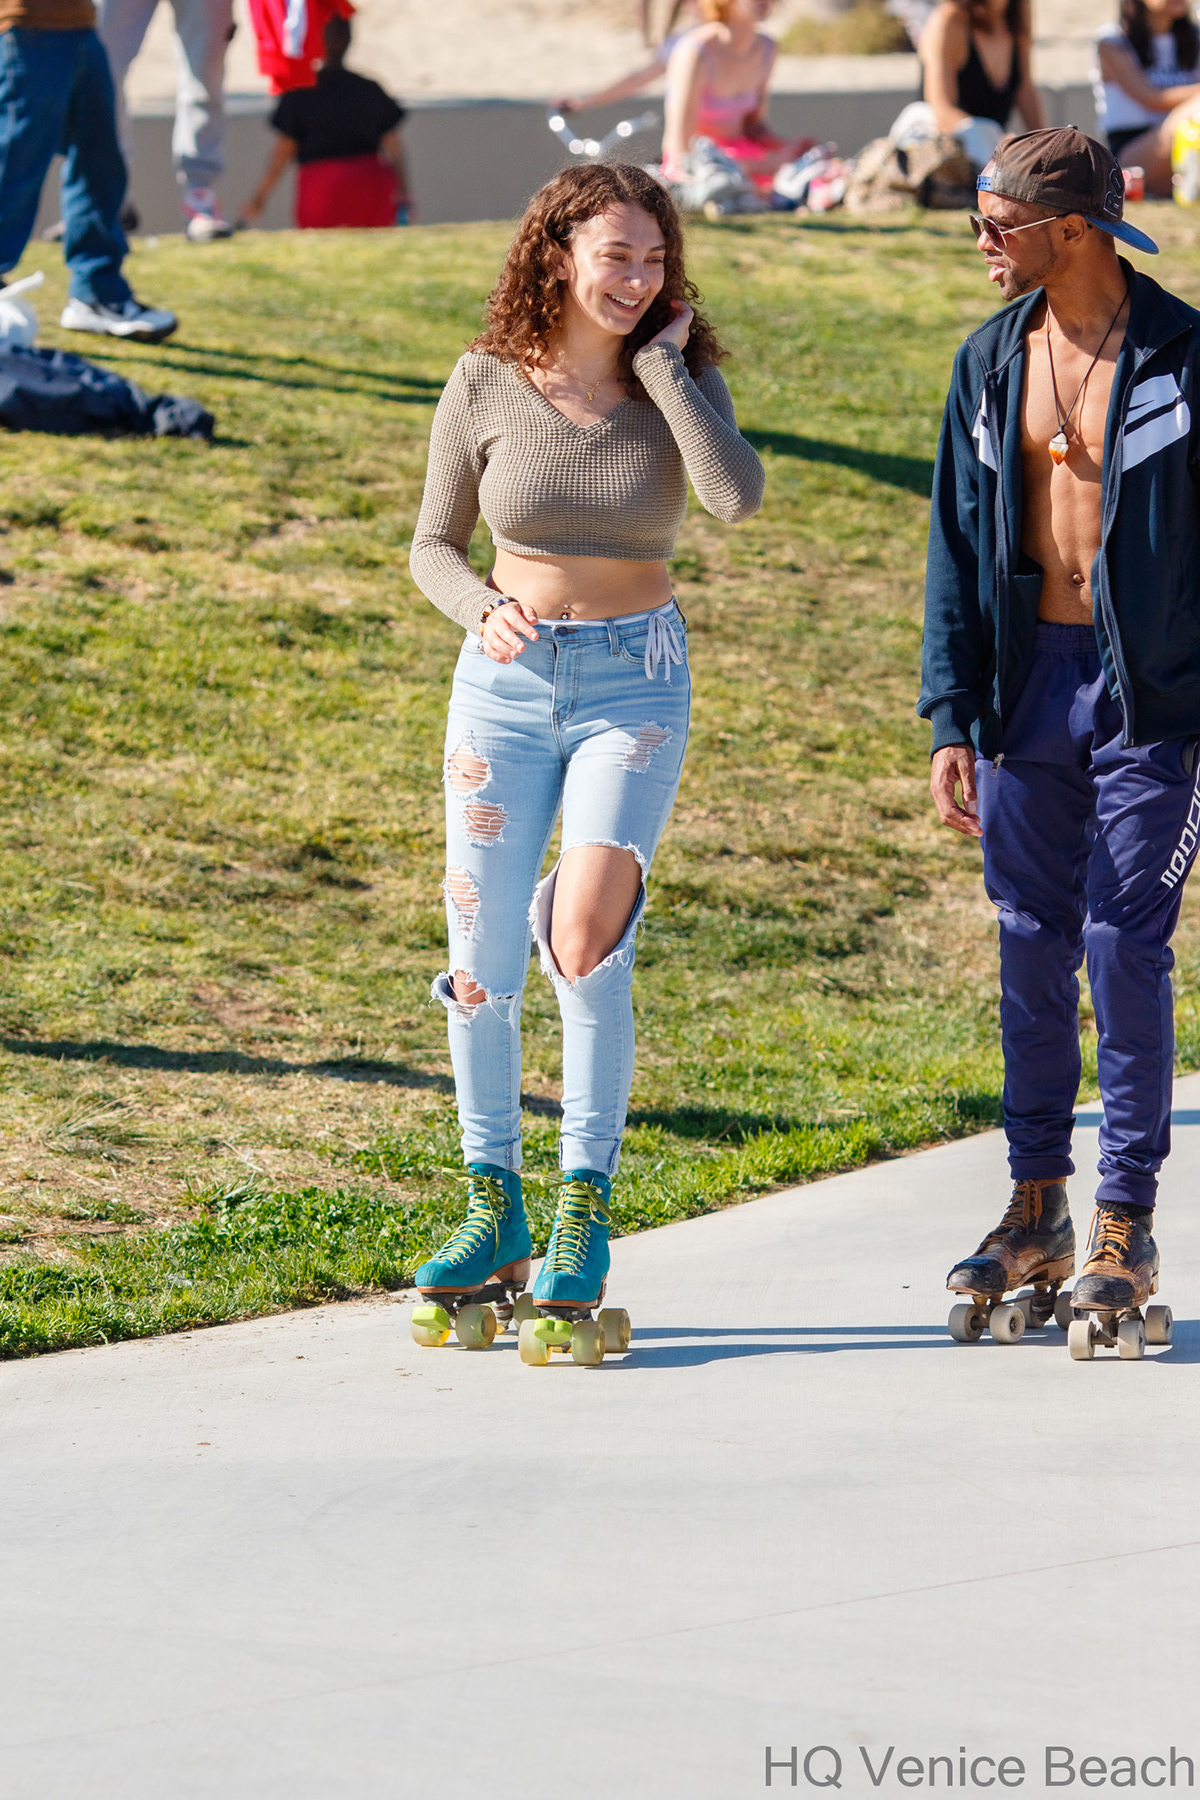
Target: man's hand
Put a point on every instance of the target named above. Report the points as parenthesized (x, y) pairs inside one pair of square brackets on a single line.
[(954, 767)]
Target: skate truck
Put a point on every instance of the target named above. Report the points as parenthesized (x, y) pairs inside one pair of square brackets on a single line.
[(595, 149), (479, 1316), (1126, 1328)]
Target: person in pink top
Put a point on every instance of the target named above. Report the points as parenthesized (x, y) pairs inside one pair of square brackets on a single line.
[(717, 88)]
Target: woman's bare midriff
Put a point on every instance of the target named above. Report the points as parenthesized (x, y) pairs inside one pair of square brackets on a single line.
[(580, 587)]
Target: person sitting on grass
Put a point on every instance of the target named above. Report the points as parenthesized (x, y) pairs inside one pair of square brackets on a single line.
[(1147, 84), (975, 59), (344, 136), (717, 88), (637, 79)]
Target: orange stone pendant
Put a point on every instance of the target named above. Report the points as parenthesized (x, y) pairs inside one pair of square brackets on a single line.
[(1058, 447)]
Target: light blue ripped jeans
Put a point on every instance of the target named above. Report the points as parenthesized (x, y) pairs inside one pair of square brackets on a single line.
[(593, 718)]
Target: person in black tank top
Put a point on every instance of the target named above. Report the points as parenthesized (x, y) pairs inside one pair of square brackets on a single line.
[(975, 62), (978, 94)]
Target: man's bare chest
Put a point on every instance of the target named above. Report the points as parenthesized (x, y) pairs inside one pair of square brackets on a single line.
[(1064, 406)]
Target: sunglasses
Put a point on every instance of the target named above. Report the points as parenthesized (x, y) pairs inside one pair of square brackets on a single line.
[(995, 235)]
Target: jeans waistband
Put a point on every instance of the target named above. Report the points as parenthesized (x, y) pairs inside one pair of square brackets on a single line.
[(1066, 640), (663, 646), (669, 609)]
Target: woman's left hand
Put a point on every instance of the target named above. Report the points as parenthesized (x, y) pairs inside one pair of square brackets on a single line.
[(677, 331)]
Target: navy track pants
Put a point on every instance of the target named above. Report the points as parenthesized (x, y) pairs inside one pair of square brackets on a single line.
[(1086, 848)]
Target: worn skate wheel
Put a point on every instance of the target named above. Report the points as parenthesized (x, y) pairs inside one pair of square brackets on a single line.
[(618, 1332), (587, 1343), (532, 1348), (1131, 1340), (475, 1327), (523, 1308), (1160, 1324), (1081, 1339), (1062, 1311), (430, 1325), (966, 1322), (1026, 1305), (1006, 1323)]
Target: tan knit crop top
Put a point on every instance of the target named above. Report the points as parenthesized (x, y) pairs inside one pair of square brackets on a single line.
[(548, 487)]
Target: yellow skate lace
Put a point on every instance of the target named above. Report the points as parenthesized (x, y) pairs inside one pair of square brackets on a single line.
[(579, 1205), (487, 1203), (1111, 1234)]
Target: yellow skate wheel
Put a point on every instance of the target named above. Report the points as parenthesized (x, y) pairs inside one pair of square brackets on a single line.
[(1131, 1340), (1062, 1310), (523, 1308), (618, 1332), (1081, 1339), (1160, 1324), (966, 1322), (531, 1347), (587, 1343), (1006, 1323), (475, 1327), (430, 1325)]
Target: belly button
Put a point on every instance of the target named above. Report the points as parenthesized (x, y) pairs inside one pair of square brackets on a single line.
[(1078, 580)]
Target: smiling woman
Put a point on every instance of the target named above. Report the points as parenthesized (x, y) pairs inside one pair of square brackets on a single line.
[(573, 422)]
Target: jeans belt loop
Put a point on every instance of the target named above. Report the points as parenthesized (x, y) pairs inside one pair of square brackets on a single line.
[(614, 641)]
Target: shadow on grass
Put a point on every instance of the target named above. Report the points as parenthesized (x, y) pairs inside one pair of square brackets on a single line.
[(715, 1124), (311, 362), (223, 1062), (200, 360), (913, 473)]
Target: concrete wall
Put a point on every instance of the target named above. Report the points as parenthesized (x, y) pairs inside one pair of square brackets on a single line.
[(482, 159)]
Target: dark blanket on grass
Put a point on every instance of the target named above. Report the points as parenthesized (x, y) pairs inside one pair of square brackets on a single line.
[(53, 390)]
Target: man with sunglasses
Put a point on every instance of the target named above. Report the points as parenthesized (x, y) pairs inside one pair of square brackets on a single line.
[(1062, 677)]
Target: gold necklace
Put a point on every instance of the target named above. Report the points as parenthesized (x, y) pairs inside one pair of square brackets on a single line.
[(1059, 444), (590, 392)]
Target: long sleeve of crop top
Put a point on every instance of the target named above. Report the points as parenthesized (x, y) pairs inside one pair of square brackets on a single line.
[(438, 557), (722, 467)]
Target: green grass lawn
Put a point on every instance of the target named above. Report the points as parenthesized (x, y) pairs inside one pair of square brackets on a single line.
[(223, 1086)]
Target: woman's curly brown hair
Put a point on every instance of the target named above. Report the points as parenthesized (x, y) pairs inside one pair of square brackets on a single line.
[(526, 304)]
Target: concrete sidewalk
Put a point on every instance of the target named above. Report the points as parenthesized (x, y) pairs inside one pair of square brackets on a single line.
[(304, 1558)]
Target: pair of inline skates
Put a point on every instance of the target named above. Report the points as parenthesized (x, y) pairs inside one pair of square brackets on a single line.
[(476, 1283), (1032, 1250)]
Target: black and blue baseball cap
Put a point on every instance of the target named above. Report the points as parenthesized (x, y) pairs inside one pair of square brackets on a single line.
[(1066, 170)]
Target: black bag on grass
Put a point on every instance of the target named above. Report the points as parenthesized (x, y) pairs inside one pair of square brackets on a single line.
[(55, 391)]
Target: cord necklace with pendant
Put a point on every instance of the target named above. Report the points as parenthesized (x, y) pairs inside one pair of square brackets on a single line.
[(1059, 445)]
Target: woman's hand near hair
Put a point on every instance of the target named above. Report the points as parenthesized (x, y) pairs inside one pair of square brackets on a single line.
[(505, 626), (677, 331)]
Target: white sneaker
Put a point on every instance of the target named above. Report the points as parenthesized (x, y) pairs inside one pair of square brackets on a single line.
[(205, 220), (145, 324)]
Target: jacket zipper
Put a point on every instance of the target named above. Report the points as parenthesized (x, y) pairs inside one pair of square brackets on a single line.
[(1001, 513), (1111, 502)]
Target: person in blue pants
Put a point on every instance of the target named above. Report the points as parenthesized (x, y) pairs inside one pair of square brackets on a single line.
[(1062, 678), (56, 95)]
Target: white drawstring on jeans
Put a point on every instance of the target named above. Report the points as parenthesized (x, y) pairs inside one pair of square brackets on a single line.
[(662, 646)]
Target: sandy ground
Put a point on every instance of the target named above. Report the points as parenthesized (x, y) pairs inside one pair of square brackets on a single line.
[(534, 48)]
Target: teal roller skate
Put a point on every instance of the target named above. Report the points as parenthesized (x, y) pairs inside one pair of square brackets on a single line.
[(476, 1282), (571, 1284)]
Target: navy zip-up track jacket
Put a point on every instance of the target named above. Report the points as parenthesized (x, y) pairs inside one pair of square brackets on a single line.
[(981, 600)]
